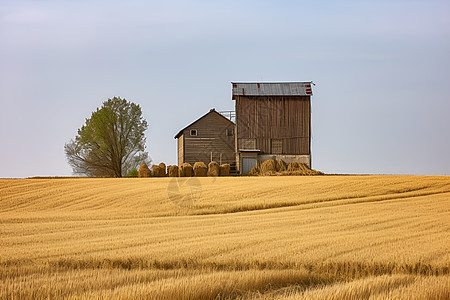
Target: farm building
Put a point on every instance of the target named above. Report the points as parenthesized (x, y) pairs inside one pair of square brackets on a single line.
[(273, 120), (209, 138)]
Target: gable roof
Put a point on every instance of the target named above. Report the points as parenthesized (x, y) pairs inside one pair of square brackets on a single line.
[(211, 111), (272, 88)]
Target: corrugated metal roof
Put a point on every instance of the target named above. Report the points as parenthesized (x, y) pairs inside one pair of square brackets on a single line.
[(272, 88)]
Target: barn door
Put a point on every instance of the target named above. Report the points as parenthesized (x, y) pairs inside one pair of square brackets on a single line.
[(248, 164)]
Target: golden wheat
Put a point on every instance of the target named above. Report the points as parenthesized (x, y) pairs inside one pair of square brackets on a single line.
[(250, 237), (379, 287)]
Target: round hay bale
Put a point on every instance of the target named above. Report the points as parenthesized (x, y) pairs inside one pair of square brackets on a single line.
[(224, 170), (213, 169), (144, 171), (200, 169), (163, 169), (281, 165), (173, 171), (186, 170), (268, 167), (157, 171)]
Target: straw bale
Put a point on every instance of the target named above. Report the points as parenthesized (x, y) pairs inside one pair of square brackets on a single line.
[(200, 169), (186, 170), (163, 168), (173, 171), (224, 170), (213, 169), (157, 171), (144, 171)]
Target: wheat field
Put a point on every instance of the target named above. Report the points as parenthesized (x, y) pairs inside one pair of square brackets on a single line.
[(318, 237)]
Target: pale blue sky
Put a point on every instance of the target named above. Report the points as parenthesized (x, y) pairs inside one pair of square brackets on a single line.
[(381, 102)]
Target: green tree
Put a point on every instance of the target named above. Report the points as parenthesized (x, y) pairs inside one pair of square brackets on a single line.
[(112, 141)]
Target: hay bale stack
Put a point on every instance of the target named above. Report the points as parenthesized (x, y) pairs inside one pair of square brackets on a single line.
[(304, 168), (144, 171), (254, 171), (294, 166), (173, 171), (224, 170), (162, 166), (268, 167), (200, 169), (157, 171), (213, 169), (281, 165), (315, 172), (186, 170)]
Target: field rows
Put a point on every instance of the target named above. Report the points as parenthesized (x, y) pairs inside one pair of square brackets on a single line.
[(276, 237)]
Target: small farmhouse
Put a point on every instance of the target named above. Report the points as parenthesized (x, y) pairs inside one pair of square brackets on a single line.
[(209, 138), (273, 120)]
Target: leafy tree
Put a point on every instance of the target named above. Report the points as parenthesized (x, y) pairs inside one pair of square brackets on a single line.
[(133, 173), (111, 143)]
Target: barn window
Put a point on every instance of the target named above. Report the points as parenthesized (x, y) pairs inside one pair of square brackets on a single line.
[(229, 132), (193, 132), (248, 143), (277, 146)]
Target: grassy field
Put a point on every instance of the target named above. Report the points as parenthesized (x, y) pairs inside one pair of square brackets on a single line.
[(322, 237)]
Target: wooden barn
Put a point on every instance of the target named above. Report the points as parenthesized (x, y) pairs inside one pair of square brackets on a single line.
[(209, 138), (273, 120)]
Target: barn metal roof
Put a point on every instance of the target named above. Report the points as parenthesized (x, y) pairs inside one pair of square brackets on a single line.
[(272, 88)]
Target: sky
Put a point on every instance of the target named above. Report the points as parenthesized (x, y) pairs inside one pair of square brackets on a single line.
[(381, 69)]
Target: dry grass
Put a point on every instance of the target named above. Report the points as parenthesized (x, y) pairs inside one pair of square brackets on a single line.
[(296, 168), (278, 167), (376, 287), (327, 237), (268, 167), (281, 165), (254, 171)]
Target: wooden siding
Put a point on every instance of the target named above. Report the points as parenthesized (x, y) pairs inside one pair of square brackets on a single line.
[(281, 123), (180, 149), (213, 140)]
